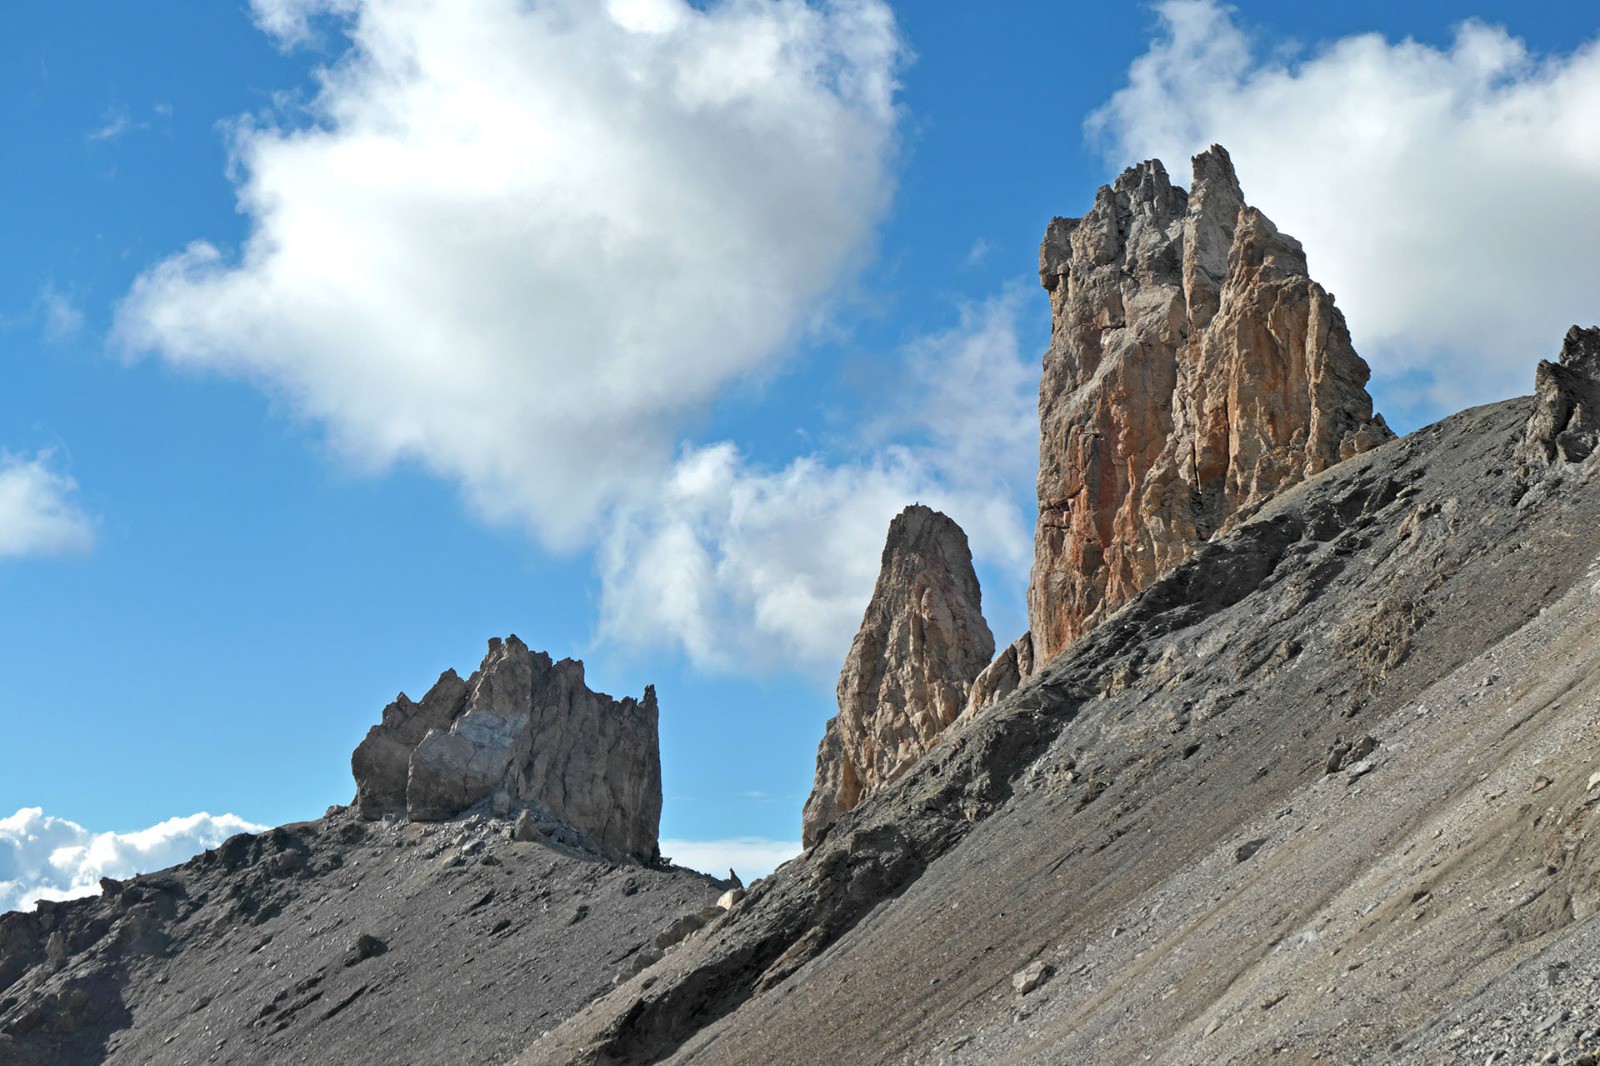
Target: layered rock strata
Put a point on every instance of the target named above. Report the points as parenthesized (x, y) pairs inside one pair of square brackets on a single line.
[(1194, 371), (521, 731), (1566, 423), (908, 674)]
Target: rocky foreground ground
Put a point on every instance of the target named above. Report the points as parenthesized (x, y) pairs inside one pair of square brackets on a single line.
[(334, 941), (1324, 793)]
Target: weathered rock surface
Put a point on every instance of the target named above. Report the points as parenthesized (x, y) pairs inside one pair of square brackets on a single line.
[(523, 730), (1093, 820), (907, 676), (1194, 371), (1566, 421), (1001, 678)]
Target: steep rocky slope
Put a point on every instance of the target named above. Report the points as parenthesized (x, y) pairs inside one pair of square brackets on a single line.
[(910, 668), (1310, 796)]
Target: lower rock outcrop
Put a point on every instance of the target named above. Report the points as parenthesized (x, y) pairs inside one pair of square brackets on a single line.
[(522, 731), (1566, 423), (910, 668)]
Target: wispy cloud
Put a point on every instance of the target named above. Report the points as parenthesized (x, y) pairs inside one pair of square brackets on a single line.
[(118, 123), (748, 569), (61, 318), (38, 512), (42, 857)]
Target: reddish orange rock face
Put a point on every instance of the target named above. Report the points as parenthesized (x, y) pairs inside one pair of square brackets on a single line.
[(1194, 371)]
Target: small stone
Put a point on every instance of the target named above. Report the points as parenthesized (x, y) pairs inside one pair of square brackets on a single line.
[(1594, 782), (1541, 783), (1360, 769), (1031, 976), (727, 900), (1247, 851), (364, 947)]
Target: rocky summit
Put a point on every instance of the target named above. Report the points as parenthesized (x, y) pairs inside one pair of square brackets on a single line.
[(521, 732), (910, 668), (1299, 762), (1194, 371)]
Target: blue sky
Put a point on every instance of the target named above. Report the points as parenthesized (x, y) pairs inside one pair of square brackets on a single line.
[(626, 327)]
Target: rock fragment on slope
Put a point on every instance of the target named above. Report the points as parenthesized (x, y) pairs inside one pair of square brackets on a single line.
[(523, 730), (1194, 371), (907, 676)]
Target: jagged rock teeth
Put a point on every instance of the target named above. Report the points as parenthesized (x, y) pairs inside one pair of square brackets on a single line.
[(1566, 423), (1194, 370), (922, 641), (522, 730)]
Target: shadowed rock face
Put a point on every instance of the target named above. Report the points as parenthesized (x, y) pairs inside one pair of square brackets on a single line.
[(522, 731), (922, 641), (1194, 371), (1566, 423)]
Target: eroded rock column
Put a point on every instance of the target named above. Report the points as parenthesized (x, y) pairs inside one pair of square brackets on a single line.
[(907, 676)]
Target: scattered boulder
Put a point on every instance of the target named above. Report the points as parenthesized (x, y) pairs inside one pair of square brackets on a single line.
[(364, 947), (524, 730), (910, 668), (1194, 371), (679, 930), (1247, 851), (526, 829), (1345, 754), (728, 899), (1031, 976)]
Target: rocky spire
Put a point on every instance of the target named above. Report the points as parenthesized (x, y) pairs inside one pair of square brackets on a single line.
[(922, 641), (1566, 421), (1194, 370), (526, 732)]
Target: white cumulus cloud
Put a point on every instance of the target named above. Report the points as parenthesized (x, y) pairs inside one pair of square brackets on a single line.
[(523, 243), (38, 515), (42, 857), (1444, 195), (746, 569), (749, 857)]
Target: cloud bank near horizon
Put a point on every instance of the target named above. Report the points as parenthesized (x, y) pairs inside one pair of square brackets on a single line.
[(749, 857), (1444, 195), (43, 857)]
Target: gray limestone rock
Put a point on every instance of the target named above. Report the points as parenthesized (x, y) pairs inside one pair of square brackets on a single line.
[(1566, 423), (526, 730)]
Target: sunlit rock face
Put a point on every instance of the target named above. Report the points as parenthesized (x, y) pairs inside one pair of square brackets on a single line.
[(1194, 371), (523, 731), (910, 668)]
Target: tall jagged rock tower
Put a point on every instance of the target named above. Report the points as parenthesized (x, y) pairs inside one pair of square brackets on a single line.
[(922, 641), (1194, 370)]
